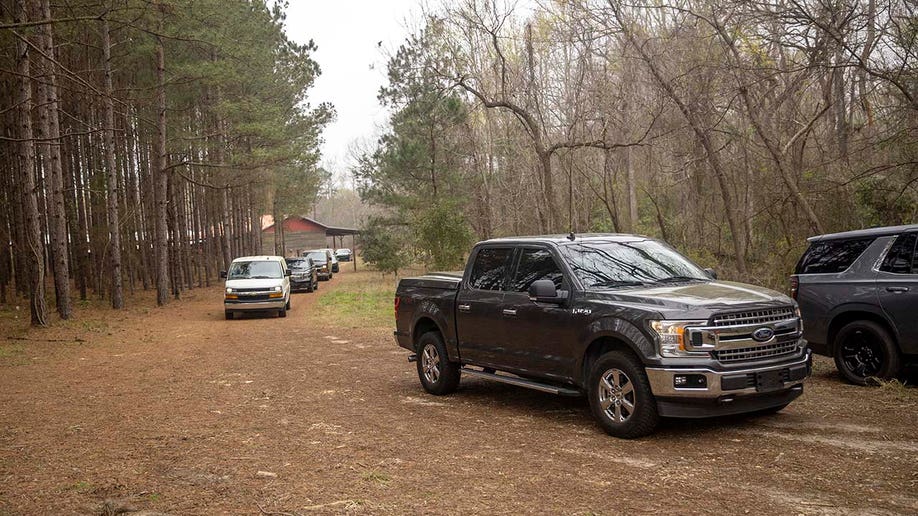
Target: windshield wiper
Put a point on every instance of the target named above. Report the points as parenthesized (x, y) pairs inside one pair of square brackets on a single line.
[(618, 283), (673, 279), (261, 277)]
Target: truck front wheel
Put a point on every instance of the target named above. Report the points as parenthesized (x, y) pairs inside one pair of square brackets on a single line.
[(437, 374), (620, 396)]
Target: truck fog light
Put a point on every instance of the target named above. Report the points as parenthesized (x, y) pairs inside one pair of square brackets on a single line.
[(690, 381)]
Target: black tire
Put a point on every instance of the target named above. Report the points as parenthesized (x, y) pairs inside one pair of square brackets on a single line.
[(438, 375), (864, 352), (282, 312), (310, 287), (610, 407), (287, 306), (228, 315)]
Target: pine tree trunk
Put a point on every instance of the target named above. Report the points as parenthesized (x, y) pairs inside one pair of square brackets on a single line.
[(161, 182), (34, 251), (111, 176), (51, 152)]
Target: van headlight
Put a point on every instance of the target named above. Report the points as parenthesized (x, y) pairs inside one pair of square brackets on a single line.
[(671, 337), (277, 289), (229, 291)]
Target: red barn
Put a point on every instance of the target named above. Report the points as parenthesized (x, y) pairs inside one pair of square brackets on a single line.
[(302, 234)]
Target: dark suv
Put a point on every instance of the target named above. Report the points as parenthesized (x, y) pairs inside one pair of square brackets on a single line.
[(858, 294)]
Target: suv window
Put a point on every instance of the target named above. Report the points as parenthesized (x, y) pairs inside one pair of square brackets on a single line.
[(535, 264), (490, 268), (831, 256), (901, 257)]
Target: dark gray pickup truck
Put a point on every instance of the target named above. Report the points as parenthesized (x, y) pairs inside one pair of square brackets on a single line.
[(626, 320)]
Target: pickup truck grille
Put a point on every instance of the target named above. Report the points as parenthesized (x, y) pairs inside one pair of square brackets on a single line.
[(785, 346), (753, 317)]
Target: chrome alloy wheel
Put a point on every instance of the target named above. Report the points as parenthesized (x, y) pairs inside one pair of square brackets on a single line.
[(430, 363), (616, 395)]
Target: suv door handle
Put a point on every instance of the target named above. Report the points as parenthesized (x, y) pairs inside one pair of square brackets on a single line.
[(465, 308), (897, 289), (509, 312)]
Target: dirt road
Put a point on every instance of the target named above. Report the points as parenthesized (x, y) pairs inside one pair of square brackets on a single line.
[(177, 411)]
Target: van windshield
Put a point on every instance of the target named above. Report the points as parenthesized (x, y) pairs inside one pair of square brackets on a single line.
[(255, 270), (622, 264)]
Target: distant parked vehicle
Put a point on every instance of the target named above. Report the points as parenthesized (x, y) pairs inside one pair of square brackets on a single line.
[(343, 255), (256, 283), (322, 262), (858, 293), (332, 259), (303, 275)]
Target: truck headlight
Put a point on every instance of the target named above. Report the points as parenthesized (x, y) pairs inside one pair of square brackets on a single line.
[(671, 337)]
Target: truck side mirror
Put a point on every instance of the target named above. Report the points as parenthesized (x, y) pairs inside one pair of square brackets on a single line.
[(544, 291), (287, 272), (711, 273), (223, 274)]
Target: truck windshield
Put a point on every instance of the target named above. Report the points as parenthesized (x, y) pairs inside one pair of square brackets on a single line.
[(255, 270), (622, 264), (317, 256), (298, 264)]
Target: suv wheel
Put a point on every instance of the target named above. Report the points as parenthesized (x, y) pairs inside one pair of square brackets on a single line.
[(437, 374), (620, 396), (228, 315), (864, 350)]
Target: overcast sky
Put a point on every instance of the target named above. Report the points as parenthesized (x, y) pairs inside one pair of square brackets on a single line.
[(348, 34)]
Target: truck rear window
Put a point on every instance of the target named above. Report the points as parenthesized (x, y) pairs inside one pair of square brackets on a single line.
[(831, 256), (490, 268)]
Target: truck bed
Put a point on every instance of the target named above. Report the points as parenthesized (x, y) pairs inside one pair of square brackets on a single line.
[(441, 280)]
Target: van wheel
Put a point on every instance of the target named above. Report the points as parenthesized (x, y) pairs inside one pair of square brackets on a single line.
[(620, 396), (282, 312), (287, 307), (228, 315), (437, 374), (864, 352)]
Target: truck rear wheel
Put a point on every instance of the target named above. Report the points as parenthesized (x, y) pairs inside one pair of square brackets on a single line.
[(620, 396), (437, 374)]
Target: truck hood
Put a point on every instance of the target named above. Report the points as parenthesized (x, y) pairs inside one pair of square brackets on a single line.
[(266, 284), (694, 300)]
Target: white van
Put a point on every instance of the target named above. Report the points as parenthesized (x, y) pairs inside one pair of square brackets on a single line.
[(257, 283)]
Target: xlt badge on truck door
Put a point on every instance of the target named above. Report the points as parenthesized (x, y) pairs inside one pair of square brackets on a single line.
[(581, 311)]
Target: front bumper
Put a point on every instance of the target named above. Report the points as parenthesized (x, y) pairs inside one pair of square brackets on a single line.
[(300, 283), (729, 391), (238, 306)]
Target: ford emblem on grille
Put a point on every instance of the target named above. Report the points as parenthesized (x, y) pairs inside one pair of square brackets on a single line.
[(763, 334)]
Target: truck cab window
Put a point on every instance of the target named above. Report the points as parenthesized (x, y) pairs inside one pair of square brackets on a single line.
[(536, 264), (490, 268)]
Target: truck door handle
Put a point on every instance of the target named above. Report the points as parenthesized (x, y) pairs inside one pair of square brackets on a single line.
[(509, 312), (465, 308), (897, 289)]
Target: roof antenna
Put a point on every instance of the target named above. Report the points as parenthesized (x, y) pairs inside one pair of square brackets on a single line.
[(571, 237)]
